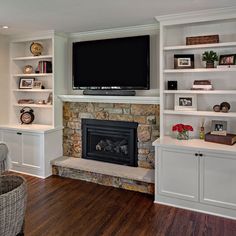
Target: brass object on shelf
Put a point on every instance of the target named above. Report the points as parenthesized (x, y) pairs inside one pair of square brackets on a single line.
[(28, 69), (36, 49)]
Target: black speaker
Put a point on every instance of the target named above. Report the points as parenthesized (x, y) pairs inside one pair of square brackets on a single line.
[(172, 85)]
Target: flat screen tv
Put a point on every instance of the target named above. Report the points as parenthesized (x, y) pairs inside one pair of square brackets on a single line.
[(120, 63)]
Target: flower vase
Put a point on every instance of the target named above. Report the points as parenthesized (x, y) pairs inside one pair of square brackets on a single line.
[(183, 135)]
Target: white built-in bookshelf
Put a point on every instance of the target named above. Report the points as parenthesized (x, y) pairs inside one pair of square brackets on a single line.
[(196, 174), (173, 36), (54, 83)]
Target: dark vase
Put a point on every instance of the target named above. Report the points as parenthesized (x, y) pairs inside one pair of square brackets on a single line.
[(209, 64)]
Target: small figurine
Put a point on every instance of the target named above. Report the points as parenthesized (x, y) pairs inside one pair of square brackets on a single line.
[(216, 108), (225, 107)]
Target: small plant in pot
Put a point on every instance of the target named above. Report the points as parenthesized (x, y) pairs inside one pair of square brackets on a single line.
[(209, 57)]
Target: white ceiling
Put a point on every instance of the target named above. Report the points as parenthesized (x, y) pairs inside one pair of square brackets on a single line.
[(72, 16)]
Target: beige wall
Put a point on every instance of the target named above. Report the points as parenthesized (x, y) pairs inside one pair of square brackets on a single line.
[(4, 79)]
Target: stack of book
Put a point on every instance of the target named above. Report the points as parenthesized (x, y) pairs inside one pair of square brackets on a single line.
[(202, 85), (45, 67)]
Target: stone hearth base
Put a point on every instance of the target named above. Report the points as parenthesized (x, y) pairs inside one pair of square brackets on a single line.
[(130, 178)]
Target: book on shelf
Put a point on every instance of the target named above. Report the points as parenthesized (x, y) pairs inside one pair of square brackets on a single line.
[(45, 67), (202, 82), (229, 139), (222, 132), (202, 87)]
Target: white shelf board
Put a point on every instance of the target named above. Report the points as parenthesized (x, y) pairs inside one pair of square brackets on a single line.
[(200, 113), (33, 75), (33, 90), (199, 46), (32, 58), (200, 91), (33, 105), (39, 128), (111, 99), (200, 70), (199, 144)]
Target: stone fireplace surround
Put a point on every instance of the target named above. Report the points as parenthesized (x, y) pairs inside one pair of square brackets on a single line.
[(147, 117)]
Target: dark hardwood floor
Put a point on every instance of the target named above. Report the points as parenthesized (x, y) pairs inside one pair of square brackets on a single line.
[(63, 207)]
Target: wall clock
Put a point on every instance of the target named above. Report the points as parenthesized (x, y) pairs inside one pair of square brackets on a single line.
[(27, 115)]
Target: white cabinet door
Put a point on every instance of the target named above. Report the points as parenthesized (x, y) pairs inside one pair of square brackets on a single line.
[(218, 180), (31, 150), (178, 174), (14, 143)]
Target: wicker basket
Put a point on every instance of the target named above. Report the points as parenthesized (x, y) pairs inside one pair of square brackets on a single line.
[(13, 194)]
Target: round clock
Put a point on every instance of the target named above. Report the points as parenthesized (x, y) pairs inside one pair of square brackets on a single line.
[(36, 49), (27, 115)]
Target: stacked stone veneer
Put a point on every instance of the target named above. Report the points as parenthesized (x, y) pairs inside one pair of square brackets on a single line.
[(147, 117)]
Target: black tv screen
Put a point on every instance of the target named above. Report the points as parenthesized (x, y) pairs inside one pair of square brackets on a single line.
[(121, 63)]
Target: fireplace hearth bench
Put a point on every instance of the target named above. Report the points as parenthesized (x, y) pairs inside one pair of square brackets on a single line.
[(120, 176)]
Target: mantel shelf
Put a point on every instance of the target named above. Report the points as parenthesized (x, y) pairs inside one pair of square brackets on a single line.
[(111, 99)]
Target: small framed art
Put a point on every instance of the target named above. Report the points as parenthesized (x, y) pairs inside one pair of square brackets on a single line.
[(219, 127), (184, 61), (37, 84), (185, 102), (26, 83), (229, 59)]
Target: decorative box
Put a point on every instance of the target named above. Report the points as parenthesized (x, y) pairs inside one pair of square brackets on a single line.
[(202, 39)]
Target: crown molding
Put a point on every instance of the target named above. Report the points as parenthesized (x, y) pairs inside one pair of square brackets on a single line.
[(198, 16), (141, 29), (37, 35)]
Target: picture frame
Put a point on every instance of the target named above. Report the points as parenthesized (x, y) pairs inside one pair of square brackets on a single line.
[(228, 59), (219, 127), (183, 61), (185, 102), (26, 83), (38, 84)]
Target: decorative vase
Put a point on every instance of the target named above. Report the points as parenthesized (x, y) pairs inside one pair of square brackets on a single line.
[(184, 135), (209, 64)]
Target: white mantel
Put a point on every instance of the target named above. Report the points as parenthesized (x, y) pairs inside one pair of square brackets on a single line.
[(111, 99)]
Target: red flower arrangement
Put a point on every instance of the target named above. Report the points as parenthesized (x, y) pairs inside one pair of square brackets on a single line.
[(182, 130)]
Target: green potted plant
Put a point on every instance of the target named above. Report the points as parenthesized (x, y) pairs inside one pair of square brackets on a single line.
[(209, 57)]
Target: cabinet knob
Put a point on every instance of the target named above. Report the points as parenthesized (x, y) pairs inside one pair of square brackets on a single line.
[(19, 133), (196, 154), (200, 154)]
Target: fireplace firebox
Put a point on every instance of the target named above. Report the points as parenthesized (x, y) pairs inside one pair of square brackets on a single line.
[(110, 141)]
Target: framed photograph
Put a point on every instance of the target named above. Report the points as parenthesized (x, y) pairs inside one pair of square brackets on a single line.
[(26, 83), (185, 102), (37, 84), (219, 127), (184, 61), (229, 59)]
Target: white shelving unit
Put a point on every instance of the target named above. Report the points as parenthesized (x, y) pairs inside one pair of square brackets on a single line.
[(21, 56), (32, 147), (188, 172)]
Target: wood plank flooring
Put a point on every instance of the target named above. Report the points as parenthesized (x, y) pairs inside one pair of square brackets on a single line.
[(66, 207)]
